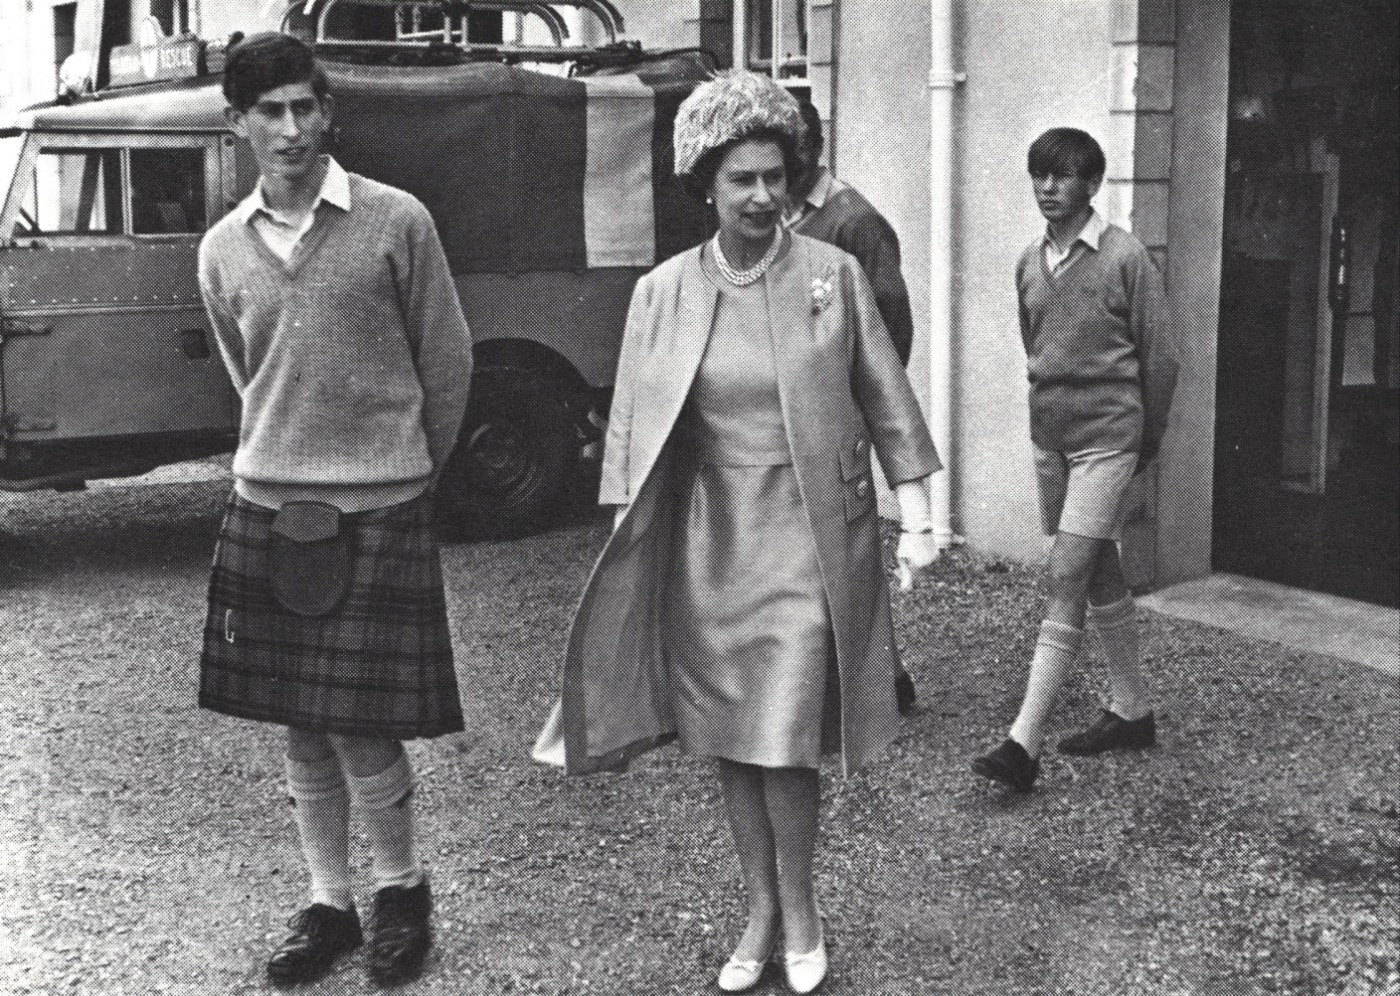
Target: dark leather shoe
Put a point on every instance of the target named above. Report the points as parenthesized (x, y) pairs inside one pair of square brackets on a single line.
[(1111, 732), (905, 696), (1010, 765), (320, 934), (399, 933)]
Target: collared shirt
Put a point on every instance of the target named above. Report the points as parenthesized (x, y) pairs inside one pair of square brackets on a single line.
[(282, 234), (1090, 235), (815, 200)]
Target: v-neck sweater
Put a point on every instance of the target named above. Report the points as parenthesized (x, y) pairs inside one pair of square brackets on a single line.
[(1100, 347), (352, 358)]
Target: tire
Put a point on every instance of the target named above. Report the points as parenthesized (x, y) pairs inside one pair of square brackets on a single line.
[(513, 453)]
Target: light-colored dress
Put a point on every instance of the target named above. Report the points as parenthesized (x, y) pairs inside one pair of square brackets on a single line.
[(747, 628)]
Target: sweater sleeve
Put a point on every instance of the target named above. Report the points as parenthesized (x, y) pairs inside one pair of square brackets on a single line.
[(1155, 334), (222, 320), (437, 333), (868, 237), (882, 391)]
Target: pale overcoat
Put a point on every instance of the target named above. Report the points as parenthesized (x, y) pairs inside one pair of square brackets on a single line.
[(842, 390)]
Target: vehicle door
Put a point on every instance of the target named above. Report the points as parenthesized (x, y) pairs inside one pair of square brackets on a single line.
[(104, 333)]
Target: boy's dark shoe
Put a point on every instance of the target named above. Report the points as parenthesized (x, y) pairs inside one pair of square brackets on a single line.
[(905, 695), (1010, 765), (399, 933), (320, 934), (1110, 732)]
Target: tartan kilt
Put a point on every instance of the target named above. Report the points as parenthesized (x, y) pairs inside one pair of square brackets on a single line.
[(379, 666)]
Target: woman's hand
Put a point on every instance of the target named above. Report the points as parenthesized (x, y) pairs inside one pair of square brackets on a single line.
[(916, 553), (917, 548)]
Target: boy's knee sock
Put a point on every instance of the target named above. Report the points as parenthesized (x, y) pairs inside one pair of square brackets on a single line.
[(321, 806), (385, 802), (1055, 650), (1117, 627)]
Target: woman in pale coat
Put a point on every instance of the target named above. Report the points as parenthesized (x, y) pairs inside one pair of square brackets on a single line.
[(741, 603)]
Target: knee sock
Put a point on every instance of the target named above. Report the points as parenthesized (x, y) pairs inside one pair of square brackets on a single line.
[(1055, 650), (1117, 627), (385, 803), (321, 805)]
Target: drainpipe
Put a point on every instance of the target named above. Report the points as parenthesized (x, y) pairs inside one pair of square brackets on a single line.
[(943, 79)]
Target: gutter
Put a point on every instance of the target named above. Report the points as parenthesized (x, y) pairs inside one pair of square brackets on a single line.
[(943, 80)]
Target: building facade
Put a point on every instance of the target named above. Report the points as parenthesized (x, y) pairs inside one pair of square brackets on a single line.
[(1252, 148)]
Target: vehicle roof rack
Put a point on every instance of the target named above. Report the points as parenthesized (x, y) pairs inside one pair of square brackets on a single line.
[(436, 31)]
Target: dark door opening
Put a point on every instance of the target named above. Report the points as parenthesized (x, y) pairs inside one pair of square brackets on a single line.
[(1307, 475)]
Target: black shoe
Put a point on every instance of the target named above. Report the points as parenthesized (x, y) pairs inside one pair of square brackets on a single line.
[(399, 934), (905, 696), (1111, 731), (1010, 765), (320, 934)]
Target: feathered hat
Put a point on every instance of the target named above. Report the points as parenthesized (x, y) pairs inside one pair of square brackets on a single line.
[(735, 103)]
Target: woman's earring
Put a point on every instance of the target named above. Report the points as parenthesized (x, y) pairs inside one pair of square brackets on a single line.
[(709, 199)]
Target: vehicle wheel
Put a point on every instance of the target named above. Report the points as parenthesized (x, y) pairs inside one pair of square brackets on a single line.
[(516, 446)]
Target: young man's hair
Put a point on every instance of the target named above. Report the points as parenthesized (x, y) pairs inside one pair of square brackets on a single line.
[(1066, 152), (265, 61), (812, 118)]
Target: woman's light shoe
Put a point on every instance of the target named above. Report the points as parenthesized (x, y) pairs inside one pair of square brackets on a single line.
[(805, 972), (739, 976)]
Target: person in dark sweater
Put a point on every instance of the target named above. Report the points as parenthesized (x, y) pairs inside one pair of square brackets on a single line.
[(832, 211), (335, 313), (822, 207), (1102, 364)]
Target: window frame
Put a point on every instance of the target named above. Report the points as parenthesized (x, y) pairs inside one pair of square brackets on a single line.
[(772, 64), (40, 143)]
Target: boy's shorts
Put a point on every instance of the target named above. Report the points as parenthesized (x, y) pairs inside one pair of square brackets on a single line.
[(1084, 493)]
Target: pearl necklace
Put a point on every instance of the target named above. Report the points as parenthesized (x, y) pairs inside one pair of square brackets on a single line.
[(742, 278)]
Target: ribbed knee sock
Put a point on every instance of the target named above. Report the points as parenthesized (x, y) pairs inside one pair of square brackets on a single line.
[(385, 802), (1055, 650), (321, 806), (1117, 627)]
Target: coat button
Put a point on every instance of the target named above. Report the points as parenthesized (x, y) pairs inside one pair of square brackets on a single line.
[(862, 488)]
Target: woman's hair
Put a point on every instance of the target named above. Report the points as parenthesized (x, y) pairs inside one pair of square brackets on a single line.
[(1066, 152), (737, 105), (702, 175), (266, 61)]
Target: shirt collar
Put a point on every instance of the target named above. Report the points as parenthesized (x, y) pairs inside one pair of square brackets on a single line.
[(1091, 234), (335, 191)]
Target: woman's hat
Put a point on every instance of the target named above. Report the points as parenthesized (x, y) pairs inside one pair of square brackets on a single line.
[(736, 103)]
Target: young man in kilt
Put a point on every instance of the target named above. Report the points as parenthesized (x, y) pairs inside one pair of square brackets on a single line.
[(336, 315)]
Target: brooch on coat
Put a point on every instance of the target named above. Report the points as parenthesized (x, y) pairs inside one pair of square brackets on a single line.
[(823, 290)]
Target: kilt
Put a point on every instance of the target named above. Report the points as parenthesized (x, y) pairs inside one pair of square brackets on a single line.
[(380, 665)]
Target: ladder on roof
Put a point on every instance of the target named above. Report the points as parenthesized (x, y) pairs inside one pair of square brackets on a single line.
[(437, 25)]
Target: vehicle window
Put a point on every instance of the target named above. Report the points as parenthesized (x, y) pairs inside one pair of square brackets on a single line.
[(167, 191), (74, 190)]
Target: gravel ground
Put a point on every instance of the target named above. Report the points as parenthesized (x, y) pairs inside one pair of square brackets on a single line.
[(146, 847)]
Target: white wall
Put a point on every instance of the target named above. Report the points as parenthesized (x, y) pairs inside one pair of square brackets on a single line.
[(1028, 68)]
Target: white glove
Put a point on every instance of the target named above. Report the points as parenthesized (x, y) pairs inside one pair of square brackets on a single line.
[(916, 553)]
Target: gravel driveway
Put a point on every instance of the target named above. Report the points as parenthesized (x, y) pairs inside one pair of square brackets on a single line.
[(147, 849)]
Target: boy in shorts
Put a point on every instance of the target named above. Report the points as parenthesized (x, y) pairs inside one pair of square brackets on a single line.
[(1102, 368), (336, 316)]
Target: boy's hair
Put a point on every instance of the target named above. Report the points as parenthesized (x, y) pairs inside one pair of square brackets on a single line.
[(265, 61), (1066, 152)]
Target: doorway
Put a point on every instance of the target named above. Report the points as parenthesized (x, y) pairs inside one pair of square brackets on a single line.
[(1307, 480)]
